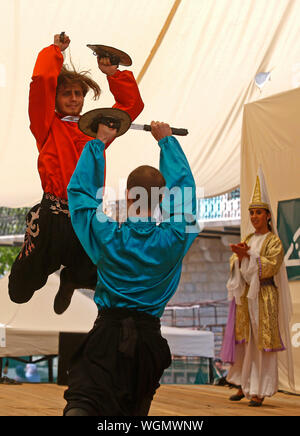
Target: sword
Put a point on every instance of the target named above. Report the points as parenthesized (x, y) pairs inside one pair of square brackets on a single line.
[(147, 128), (116, 118)]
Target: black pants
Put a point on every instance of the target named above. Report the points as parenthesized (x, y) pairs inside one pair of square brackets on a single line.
[(49, 243), (117, 369)]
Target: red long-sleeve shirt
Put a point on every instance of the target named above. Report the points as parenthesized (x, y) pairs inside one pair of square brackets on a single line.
[(60, 143)]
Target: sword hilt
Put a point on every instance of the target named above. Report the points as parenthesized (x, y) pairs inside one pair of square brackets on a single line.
[(175, 131), (113, 123), (114, 59)]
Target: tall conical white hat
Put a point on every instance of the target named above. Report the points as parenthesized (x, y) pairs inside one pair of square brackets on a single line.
[(260, 198)]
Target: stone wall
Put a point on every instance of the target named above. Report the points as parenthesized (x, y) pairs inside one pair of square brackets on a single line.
[(204, 276), (205, 272)]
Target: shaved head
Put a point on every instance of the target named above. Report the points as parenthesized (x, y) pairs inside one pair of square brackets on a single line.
[(147, 177)]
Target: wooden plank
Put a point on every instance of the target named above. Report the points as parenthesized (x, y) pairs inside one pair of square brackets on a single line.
[(170, 400), (208, 400)]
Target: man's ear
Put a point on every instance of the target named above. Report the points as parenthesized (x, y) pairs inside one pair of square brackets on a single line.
[(161, 197), (128, 200)]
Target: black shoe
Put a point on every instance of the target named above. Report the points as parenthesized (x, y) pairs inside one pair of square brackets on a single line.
[(76, 411), (236, 397), (9, 381), (254, 403), (21, 298), (64, 295), (17, 293)]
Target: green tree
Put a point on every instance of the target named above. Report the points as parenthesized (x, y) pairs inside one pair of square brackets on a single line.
[(13, 221), (7, 257)]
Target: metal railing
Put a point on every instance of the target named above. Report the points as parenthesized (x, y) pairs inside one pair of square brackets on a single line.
[(215, 209), (200, 315), (221, 208)]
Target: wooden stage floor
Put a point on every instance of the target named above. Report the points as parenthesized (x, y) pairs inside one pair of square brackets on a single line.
[(170, 400)]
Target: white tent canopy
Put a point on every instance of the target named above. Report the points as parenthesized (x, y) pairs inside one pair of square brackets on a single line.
[(33, 328), (196, 61)]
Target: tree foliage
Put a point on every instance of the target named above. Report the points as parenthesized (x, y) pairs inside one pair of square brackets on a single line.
[(12, 222), (7, 257)]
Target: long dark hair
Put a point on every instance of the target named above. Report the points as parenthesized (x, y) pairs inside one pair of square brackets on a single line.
[(269, 221), (70, 76)]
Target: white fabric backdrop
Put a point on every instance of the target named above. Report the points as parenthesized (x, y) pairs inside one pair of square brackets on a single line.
[(188, 342), (271, 139), (200, 77)]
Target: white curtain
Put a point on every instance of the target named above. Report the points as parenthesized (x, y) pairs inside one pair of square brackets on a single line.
[(199, 78), (271, 140)]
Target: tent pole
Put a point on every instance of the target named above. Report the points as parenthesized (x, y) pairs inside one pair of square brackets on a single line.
[(159, 40)]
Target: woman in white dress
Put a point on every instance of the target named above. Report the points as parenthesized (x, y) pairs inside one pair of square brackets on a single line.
[(253, 287)]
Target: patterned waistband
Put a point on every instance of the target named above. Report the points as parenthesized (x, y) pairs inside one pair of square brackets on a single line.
[(267, 282), (55, 204)]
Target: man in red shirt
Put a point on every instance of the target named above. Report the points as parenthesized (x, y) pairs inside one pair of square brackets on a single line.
[(55, 102)]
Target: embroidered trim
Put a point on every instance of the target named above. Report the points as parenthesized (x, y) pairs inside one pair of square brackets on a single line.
[(259, 267), (32, 231), (59, 204), (71, 119)]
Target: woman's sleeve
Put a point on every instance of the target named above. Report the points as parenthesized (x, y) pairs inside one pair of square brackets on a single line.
[(270, 263), (235, 284)]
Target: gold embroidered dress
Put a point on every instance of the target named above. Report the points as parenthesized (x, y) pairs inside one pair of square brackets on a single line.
[(256, 324), (260, 313), (268, 263)]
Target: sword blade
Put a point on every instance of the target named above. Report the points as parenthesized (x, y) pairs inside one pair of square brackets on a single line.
[(137, 126)]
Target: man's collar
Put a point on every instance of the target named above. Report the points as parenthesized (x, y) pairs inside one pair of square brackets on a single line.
[(71, 119)]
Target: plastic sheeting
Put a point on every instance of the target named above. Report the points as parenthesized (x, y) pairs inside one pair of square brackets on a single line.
[(200, 76)]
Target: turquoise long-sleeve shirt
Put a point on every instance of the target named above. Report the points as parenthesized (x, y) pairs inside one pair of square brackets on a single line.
[(138, 263)]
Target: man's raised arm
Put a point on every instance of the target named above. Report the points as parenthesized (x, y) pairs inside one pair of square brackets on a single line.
[(85, 193), (179, 202)]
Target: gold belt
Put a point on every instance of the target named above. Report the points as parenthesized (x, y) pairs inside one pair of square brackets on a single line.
[(267, 282)]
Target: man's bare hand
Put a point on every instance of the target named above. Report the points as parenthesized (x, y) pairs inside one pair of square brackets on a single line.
[(160, 130), (106, 67), (105, 133), (62, 44)]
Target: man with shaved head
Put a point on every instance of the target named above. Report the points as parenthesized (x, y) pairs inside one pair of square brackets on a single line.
[(117, 369)]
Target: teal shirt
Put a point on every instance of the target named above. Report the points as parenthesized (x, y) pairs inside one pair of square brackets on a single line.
[(138, 263)]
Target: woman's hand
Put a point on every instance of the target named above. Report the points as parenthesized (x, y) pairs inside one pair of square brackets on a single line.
[(241, 250)]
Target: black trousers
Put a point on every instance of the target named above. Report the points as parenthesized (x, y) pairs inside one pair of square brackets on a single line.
[(117, 369), (49, 243)]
